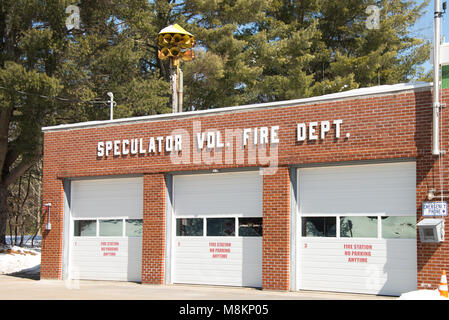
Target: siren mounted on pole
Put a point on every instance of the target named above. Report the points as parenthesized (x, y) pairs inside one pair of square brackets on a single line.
[(175, 44)]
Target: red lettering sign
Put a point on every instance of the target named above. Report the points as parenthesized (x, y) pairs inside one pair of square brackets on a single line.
[(109, 249), (358, 253), (220, 250)]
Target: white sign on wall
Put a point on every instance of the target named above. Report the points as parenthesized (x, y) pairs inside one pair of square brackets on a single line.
[(434, 208), (215, 139)]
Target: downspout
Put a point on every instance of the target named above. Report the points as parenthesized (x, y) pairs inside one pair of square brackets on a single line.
[(436, 79)]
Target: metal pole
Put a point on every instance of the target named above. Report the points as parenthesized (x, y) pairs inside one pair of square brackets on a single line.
[(436, 79), (180, 90), (111, 106), (173, 81), (48, 225)]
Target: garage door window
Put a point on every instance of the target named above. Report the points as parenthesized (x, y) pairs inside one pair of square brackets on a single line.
[(358, 227), (133, 227), (250, 227), (85, 228), (398, 227), (189, 227), (111, 228), (319, 227), (220, 227), (378, 227)]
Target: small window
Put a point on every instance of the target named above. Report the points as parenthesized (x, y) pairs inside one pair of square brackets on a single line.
[(250, 227), (111, 228), (189, 227), (220, 227), (358, 227), (399, 227), (85, 228), (319, 226), (133, 227)]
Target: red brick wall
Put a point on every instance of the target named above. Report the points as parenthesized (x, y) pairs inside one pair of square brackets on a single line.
[(433, 258), (153, 240), (388, 126), (380, 127), (276, 230), (53, 192)]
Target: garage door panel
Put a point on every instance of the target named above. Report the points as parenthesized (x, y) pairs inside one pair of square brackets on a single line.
[(89, 275), (364, 265), (220, 277), (211, 281), (186, 260), (225, 263), (346, 281), (382, 249), (362, 271), (369, 182), (217, 260), (198, 262), (395, 286), (368, 282), (121, 197), (98, 257), (219, 274), (238, 194), (329, 284), (114, 263), (340, 264), (89, 262), (387, 259)]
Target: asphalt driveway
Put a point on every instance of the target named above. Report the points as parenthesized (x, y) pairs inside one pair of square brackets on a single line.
[(24, 288)]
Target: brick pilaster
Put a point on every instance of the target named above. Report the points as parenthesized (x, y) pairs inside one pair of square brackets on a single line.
[(153, 240), (276, 230)]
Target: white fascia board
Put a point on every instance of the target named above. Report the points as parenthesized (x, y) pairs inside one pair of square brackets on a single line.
[(384, 89)]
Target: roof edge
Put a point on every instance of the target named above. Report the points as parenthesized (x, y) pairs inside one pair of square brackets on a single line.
[(370, 91)]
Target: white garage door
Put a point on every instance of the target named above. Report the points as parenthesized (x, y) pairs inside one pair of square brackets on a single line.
[(358, 228), (217, 229), (106, 229)]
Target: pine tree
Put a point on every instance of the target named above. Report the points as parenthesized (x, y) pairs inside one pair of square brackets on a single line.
[(51, 74), (114, 51), (247, 51), (28, 56), (285, 49)]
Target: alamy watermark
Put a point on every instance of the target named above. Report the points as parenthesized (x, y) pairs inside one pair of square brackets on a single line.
[(373, 20), (73, 20), (73, 283), (212, 147)]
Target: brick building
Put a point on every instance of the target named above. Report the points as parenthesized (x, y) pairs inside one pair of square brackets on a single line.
[(321, 193)]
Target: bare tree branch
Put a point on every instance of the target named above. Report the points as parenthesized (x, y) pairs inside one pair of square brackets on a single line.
[(18, 171)]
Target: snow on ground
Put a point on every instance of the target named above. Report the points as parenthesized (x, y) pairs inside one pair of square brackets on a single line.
[(422, 295), (26, 259)]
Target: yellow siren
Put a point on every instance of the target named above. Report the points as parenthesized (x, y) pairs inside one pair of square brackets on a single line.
[(176, 53), (188, 55), (173, 41), (164, 39)]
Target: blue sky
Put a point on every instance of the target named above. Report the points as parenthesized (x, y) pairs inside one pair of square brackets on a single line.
[(424, 26)]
